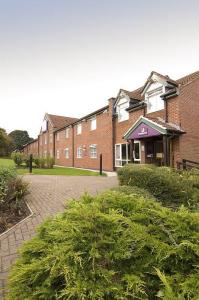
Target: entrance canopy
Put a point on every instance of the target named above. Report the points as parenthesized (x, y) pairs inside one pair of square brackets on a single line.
[(145, 127)]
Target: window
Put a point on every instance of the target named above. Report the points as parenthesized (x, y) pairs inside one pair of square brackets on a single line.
[(79, 152), (154, 102), (51, 138), (57, 154), (79, 128), (93, 124), (66, 153), (45, 140), (93, 151), (137, 151), (67, 133), (122, 154), (57, 136), (122, 105)]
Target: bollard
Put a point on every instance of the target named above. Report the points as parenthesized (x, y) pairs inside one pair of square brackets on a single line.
[(30, 164), (100, 164)]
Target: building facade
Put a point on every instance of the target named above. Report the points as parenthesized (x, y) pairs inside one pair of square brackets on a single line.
[(157, 123)]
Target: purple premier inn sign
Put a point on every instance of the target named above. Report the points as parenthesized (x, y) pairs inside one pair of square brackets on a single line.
[(143, 131)]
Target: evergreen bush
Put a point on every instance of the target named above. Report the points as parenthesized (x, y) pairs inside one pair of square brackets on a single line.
[(50, 161), (18, 158), (165, 184), (111, 247)]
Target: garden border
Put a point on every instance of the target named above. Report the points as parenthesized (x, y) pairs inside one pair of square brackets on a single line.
[(31, 214)]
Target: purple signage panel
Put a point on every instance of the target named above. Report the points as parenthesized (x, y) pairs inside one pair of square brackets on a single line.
[(143, 131)]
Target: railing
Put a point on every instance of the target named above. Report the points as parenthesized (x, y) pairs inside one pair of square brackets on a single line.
[(187, 164)]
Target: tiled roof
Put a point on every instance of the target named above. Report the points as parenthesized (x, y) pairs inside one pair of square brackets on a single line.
[(189, 78), (136, 94), (61, 121), (168, 126)]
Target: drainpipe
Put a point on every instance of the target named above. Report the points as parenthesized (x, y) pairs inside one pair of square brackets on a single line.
[(73, 146)]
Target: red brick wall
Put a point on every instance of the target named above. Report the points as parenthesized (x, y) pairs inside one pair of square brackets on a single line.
[(189, 119), (31, 149), (102, 137), (61, 145)]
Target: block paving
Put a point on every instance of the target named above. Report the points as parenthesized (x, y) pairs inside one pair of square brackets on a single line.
[(48, 196)]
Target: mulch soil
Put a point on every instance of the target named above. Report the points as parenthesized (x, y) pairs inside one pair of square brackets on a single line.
[(11, 216)]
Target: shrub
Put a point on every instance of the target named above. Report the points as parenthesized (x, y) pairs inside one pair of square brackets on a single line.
[(36, 161), (165, 184), (112, 246), (17, 158), (50, 161), (12, 189), (26, 159), (42, 162)]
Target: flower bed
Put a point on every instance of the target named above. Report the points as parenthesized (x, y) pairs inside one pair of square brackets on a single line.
[(12, 205)]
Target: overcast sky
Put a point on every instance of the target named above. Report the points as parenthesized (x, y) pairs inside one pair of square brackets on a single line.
[(68, 57)]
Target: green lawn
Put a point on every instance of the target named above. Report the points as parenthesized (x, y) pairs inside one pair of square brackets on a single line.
[(54, 171)]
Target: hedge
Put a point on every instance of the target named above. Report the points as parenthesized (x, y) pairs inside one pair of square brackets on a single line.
[(111, 247), (165, 184)]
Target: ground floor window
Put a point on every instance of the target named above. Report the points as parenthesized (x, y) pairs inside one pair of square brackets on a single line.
[(66, 153), (57, 154), (79, 152), (122, 154), (93, 151), (137, 151)]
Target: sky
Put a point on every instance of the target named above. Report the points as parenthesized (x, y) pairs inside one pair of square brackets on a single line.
[(69, 57)]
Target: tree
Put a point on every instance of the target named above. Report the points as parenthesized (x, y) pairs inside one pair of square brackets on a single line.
[(20, 138), (5, 143)]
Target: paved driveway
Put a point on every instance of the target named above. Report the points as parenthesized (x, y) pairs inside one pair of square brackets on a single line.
[(48, 195)]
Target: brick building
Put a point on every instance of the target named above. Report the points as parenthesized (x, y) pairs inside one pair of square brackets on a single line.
[(157, 123)]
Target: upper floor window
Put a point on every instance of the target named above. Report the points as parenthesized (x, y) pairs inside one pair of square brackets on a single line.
[(57, 154), (79, 128), (154, 101), (67, 133), (93, 151), (45, 139), (93, 123), (122, 105), (57, 136)]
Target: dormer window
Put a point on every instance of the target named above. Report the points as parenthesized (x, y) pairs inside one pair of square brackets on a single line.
[(122, 105), (154, 101)]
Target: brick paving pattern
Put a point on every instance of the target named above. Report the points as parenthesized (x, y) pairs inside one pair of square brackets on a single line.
[(48, 195)]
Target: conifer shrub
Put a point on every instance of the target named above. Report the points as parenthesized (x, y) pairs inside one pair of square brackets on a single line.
[(18, 158), (50, 161), (165, 184), (111, 247)]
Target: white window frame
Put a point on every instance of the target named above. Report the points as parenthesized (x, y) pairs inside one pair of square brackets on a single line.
[(57, 136), (67, 131), (151, 94), (79, 152), (79, 128), (93, 151), (137, 159), (45, 140), (118, 161), (57, 154), (93, 122), (122, 105), (66, 152)]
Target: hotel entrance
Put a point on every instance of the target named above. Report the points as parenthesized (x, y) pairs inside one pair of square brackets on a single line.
[(154, 151), (151, 141)]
